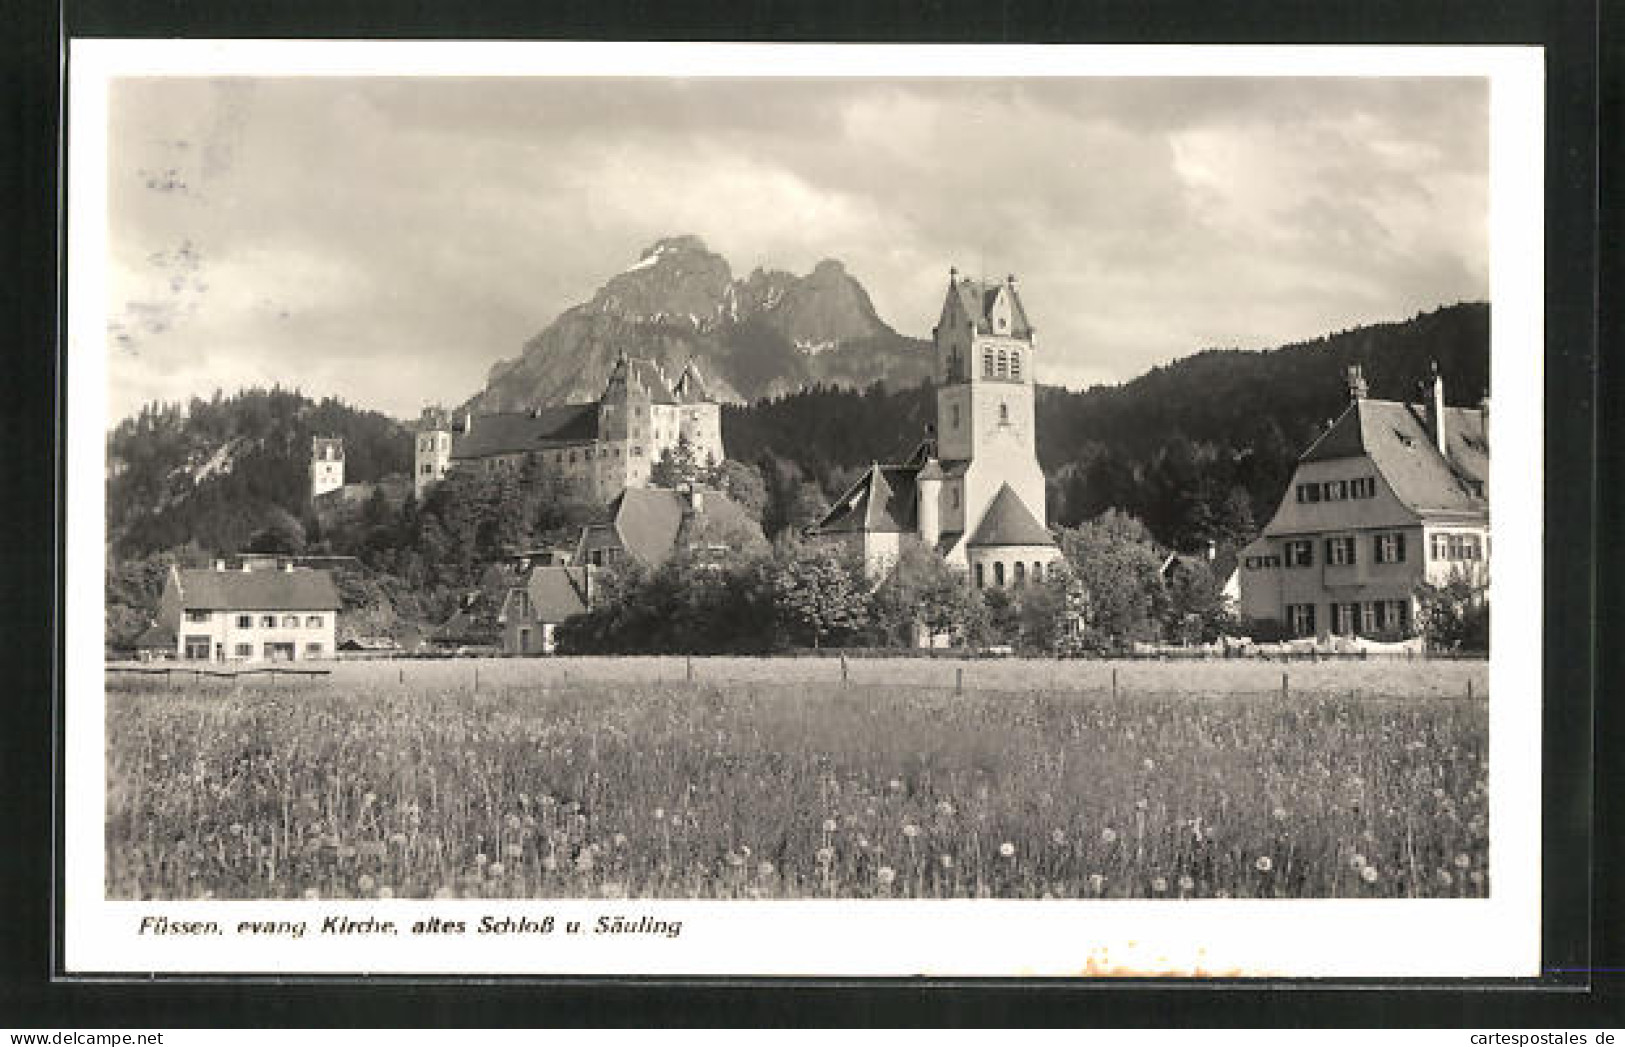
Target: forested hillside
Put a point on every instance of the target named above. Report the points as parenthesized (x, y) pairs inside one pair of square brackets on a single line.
[(218, 471)]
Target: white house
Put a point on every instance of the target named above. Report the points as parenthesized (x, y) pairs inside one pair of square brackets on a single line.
[(248, 613), (1391, 495)]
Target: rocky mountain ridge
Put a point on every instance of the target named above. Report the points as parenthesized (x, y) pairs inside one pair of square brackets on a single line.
[(767, 334)]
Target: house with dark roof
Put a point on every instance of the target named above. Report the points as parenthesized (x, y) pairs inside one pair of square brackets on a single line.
[(651, 524), (254, 612), (547, 596), (973, 490), (605, 446), (1390, 495)]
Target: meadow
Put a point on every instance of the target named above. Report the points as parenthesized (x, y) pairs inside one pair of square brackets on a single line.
[(767, 778)]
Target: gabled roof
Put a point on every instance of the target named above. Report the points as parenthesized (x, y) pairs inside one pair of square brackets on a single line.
[(556, 593), (651, 523), (977, 298), (518, 432), (1396, 437), (634, 374), (690, 386), (1008, 522), (882, 500), (157, 635), (269, 590)]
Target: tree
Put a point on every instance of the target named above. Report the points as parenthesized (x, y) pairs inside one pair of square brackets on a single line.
[(921, 591), (808, 507), (1454, 615), (1119, 569), (744, 485), (819, 592), (679, 466), (281, 534), (1195, 610)]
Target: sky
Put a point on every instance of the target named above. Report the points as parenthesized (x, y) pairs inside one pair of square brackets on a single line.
[(386, 240)]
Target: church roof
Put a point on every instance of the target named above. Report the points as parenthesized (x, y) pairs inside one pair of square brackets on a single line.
[(517, 432), (1008, 522), (882, 500), (976, 301)]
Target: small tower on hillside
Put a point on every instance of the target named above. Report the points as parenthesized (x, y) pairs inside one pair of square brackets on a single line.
[(433, 453), (326, 465)]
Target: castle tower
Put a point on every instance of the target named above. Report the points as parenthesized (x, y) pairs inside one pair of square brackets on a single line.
[(700, 418), (432, 457), (326, 465)]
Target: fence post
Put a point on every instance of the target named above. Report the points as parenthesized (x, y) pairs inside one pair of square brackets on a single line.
[(402, 671), (959, 679), (476, 678), (843, 670), (1114, 683), (1469, 688), (688, 667), (1286, 690)]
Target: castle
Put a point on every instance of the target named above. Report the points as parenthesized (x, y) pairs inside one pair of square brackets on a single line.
[(606, 446), (973, 490), (326, 465)]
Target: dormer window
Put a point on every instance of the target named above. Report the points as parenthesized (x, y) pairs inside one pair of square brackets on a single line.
[(987, 363), (1015, 364), (1004, 363)]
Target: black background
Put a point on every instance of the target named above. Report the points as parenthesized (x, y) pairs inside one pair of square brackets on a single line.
[(1582, 920)]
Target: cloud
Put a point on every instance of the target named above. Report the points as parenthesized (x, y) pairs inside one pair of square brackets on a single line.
[(388, 240)]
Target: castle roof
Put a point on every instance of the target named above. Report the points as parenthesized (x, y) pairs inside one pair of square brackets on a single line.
[(690, 386), (267, 590), (635, 374), (517, 432), (1008, 522)]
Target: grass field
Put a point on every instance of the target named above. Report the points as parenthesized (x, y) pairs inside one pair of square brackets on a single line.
[(618, 777)]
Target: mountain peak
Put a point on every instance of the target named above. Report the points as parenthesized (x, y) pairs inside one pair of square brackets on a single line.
[(681, 242)]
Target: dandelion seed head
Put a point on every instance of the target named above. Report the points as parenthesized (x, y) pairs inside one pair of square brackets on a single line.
[(1108, 835), (1159, 884), (1058, 837), (1369, 873), (885, 874), (660, 814), (825, 856), (1007, 849), (1148, 764), (386, 893), (895, 785), (312, 894), (1462, 861), (1279, 814), (1187, 884), (947, 861), (1096, 882), (550, 863), (829, 825), (366, 883), (911, 831), (1264, 864)]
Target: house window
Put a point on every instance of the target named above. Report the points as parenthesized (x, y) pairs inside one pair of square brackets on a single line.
[(1336, 490), (1038, 572), (1004, 414), (313, 650), (1301, 618), (197, 616), (1396, 615), (244, 650), (1368, 618), (637, 452), (998, 573), (981, 581), (1015, 364), (1021, 574), (987, 363), (245, 621), (290, 621), (1308, 492), (954, 501), (1300, 553), (427, 469), (1344, 617), (953, 415), (1340, 550), (1364, 487), (313, 621), (1004, 363), (197, 648), (268, 621), (1389, 548)]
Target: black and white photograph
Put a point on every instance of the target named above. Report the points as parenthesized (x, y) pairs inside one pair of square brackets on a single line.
[(917, 512)]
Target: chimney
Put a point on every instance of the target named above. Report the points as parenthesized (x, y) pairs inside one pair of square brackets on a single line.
[(1435, 409), (1356, 380), (1212, 551)]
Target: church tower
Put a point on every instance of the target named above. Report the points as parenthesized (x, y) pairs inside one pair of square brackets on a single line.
[(985, 354), (326, 465)]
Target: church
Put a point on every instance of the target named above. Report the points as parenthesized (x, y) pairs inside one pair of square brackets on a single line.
[(973, 490)]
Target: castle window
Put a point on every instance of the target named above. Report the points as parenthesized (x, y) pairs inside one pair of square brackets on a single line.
[(980, 580), (987, 363), (955, 500), (998, 574), (1015, 364), (954, 416), (1021, 574), (1004, 363)]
